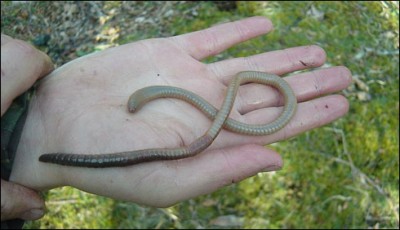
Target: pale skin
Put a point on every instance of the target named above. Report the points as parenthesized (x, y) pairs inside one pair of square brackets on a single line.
[(81, 108)]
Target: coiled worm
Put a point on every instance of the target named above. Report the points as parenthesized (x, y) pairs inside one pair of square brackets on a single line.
[(220, 119)]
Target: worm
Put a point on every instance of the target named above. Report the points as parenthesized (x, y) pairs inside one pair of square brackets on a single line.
[(220, 120)]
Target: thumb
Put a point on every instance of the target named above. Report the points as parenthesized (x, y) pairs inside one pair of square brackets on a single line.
[(18, 201), (21, 66)]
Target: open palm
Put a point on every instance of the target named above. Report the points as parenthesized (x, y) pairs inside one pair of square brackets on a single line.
[(81, 108)]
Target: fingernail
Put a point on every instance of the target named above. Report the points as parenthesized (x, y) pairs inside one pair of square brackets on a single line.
[(33, 214), (272, 168)]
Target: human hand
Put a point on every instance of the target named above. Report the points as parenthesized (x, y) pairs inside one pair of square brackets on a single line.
[(81, 108), (21, 66)]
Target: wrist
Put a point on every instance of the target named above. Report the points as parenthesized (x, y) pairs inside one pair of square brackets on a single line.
[(26, 169)]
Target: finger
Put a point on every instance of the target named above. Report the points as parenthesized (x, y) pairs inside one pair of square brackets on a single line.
[(21, 66), (305, 85), (309, 115), (211, 170), (255, 96), (20, 202), (211, 41), (320, 82), (277, 62)]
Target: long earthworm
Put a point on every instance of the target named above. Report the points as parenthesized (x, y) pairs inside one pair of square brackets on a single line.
[(220, 119)]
